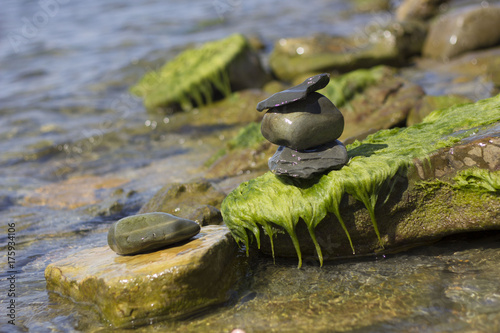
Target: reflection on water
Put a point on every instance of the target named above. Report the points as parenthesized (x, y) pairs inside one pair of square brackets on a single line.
[(65, 112)]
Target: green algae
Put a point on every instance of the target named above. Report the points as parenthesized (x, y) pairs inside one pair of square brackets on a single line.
[(192, 77), (340, 90), (377, 161), (248, 137), (480, 180)]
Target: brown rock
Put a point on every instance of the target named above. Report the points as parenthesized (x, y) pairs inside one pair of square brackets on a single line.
[(463, 30), (140, 289), (183, 200)]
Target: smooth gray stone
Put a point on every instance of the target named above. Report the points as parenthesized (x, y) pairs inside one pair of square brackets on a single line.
[(296, 93), (303, 124), (148, 232), (305, 164)]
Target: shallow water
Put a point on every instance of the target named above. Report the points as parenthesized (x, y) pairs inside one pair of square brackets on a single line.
[(65, 113)]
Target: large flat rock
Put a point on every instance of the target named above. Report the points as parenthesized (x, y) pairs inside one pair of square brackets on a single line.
[(134, 290)]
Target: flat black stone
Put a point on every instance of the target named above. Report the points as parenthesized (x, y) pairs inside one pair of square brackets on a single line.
[(307, 163), (296, 93)]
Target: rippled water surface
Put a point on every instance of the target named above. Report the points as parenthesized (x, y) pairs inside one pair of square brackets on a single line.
[(67, 119)]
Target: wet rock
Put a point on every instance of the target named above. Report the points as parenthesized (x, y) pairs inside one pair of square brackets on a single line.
[(401, 188), (146, 288), (390, 44), (147, 232), (296, 93), (184, 199), (303, 124), (418, 9), (306, 164), (207, 215), (197, 76), (463, 30)]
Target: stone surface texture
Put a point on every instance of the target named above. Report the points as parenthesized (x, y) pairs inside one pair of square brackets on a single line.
[(145, 288), (148, 232), (306, 164), (463, 30), (303, 124)]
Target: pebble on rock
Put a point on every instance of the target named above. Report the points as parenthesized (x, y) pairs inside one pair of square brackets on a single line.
[(147, 232), (305, 164), (296, 93), (303, 124)]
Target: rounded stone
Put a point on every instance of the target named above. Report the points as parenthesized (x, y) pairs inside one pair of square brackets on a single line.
[(147, 232), (303, 124)]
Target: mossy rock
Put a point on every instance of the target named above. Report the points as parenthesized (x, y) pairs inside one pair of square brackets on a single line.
[(430, 103), (372, 99), (247, 152), (378, 170), (197, 75), (386, 45)]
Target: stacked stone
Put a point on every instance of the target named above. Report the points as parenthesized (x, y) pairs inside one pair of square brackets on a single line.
[(306, 126)]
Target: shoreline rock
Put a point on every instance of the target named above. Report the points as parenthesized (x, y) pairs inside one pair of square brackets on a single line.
[(290, 211), (130, 291)]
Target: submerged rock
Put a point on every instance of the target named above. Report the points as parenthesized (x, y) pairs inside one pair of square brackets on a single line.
[(146, 288), (148, 232), (463, 30), (382, 200), (307, 163), (303, 124)]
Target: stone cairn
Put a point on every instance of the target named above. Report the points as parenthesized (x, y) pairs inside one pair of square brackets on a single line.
[(306, 125)]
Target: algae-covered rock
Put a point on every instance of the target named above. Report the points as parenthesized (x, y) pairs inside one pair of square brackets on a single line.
[(145, 288), (372, 99), (374, 203), (247, 152), (463, 30), (185, 200), (430, 103), (390, 45), (196, 75), (148, 232)]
